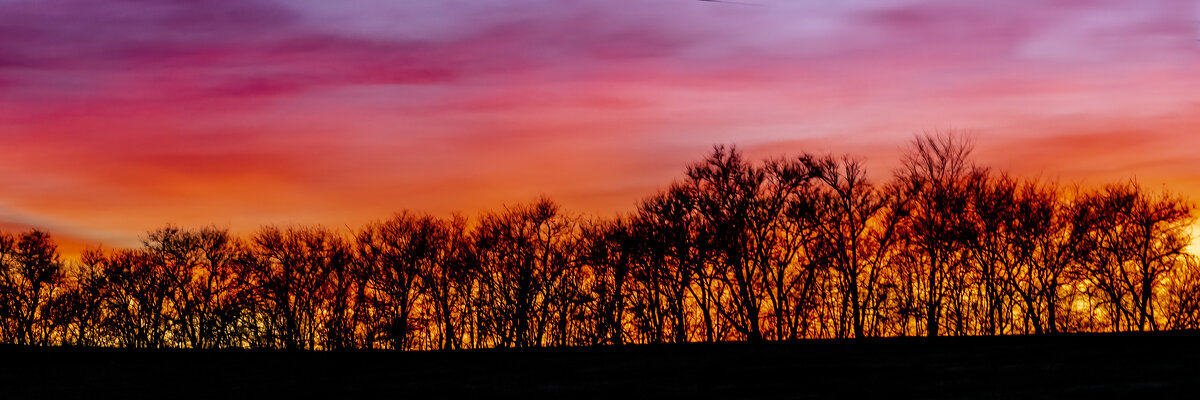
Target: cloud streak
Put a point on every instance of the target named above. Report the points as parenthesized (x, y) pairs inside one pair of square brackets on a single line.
[(240, 113)]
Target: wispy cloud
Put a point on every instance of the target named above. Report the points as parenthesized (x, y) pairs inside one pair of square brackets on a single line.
[(117, 116)]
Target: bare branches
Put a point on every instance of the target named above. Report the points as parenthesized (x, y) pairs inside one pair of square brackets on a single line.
[(737, 250)]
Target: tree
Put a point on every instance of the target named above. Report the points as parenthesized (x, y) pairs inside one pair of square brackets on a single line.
[(1045, 244), (81, 306), (137, 300), (221, 293), (172, 260), (726, 197), (669, 260), (30, 279), (1181, 306), (609, 249), (525, 251), (785, 229), (397, 251), (294, 274), (857, 224), (449, 280), (736, 250), (936, 177), (1137, 238)]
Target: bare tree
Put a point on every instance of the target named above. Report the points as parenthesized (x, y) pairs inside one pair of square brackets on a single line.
[(30, 279), (858, 227), (449, 280), (936, 177), (669, 266), (609, 249), (295, 269), (397, 250), (736, 250), (999, 247), (526, 250), (1137, 238), (1181, 305), (211, 295), (138, 300), (81, 305), (1046, 244), (726, 197)]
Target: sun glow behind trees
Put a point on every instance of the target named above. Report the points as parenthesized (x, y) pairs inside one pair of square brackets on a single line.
[(792, 247)]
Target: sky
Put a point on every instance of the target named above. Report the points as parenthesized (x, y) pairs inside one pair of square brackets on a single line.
[(121, 116)]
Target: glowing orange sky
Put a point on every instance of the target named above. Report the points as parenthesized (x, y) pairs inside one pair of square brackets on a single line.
[(122, 116)]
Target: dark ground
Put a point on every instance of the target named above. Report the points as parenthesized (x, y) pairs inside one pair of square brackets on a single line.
[(1135, 366)]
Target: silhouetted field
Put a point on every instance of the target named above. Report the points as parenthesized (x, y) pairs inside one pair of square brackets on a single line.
[(1068, 366)]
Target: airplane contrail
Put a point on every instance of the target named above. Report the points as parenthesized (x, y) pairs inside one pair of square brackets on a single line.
[(734, 2)]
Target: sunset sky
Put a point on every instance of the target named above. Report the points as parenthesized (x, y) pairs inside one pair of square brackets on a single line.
[(121, 116)]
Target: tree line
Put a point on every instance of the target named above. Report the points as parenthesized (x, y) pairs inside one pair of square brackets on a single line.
[(787, 248)]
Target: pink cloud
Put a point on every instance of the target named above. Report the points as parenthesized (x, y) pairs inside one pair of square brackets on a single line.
[(246, 112)]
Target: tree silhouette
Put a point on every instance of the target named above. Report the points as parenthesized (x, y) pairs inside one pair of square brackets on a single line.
[(609, 249), (397, 251), (787, 248), (1182, 298), (525, 251), (857, 226), (81, 306), (670, 266), (1137, 239), (727, 199), (138, 300), (448, 281), (937, 177), (294, 273), (30, 279), (1044, 242)]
